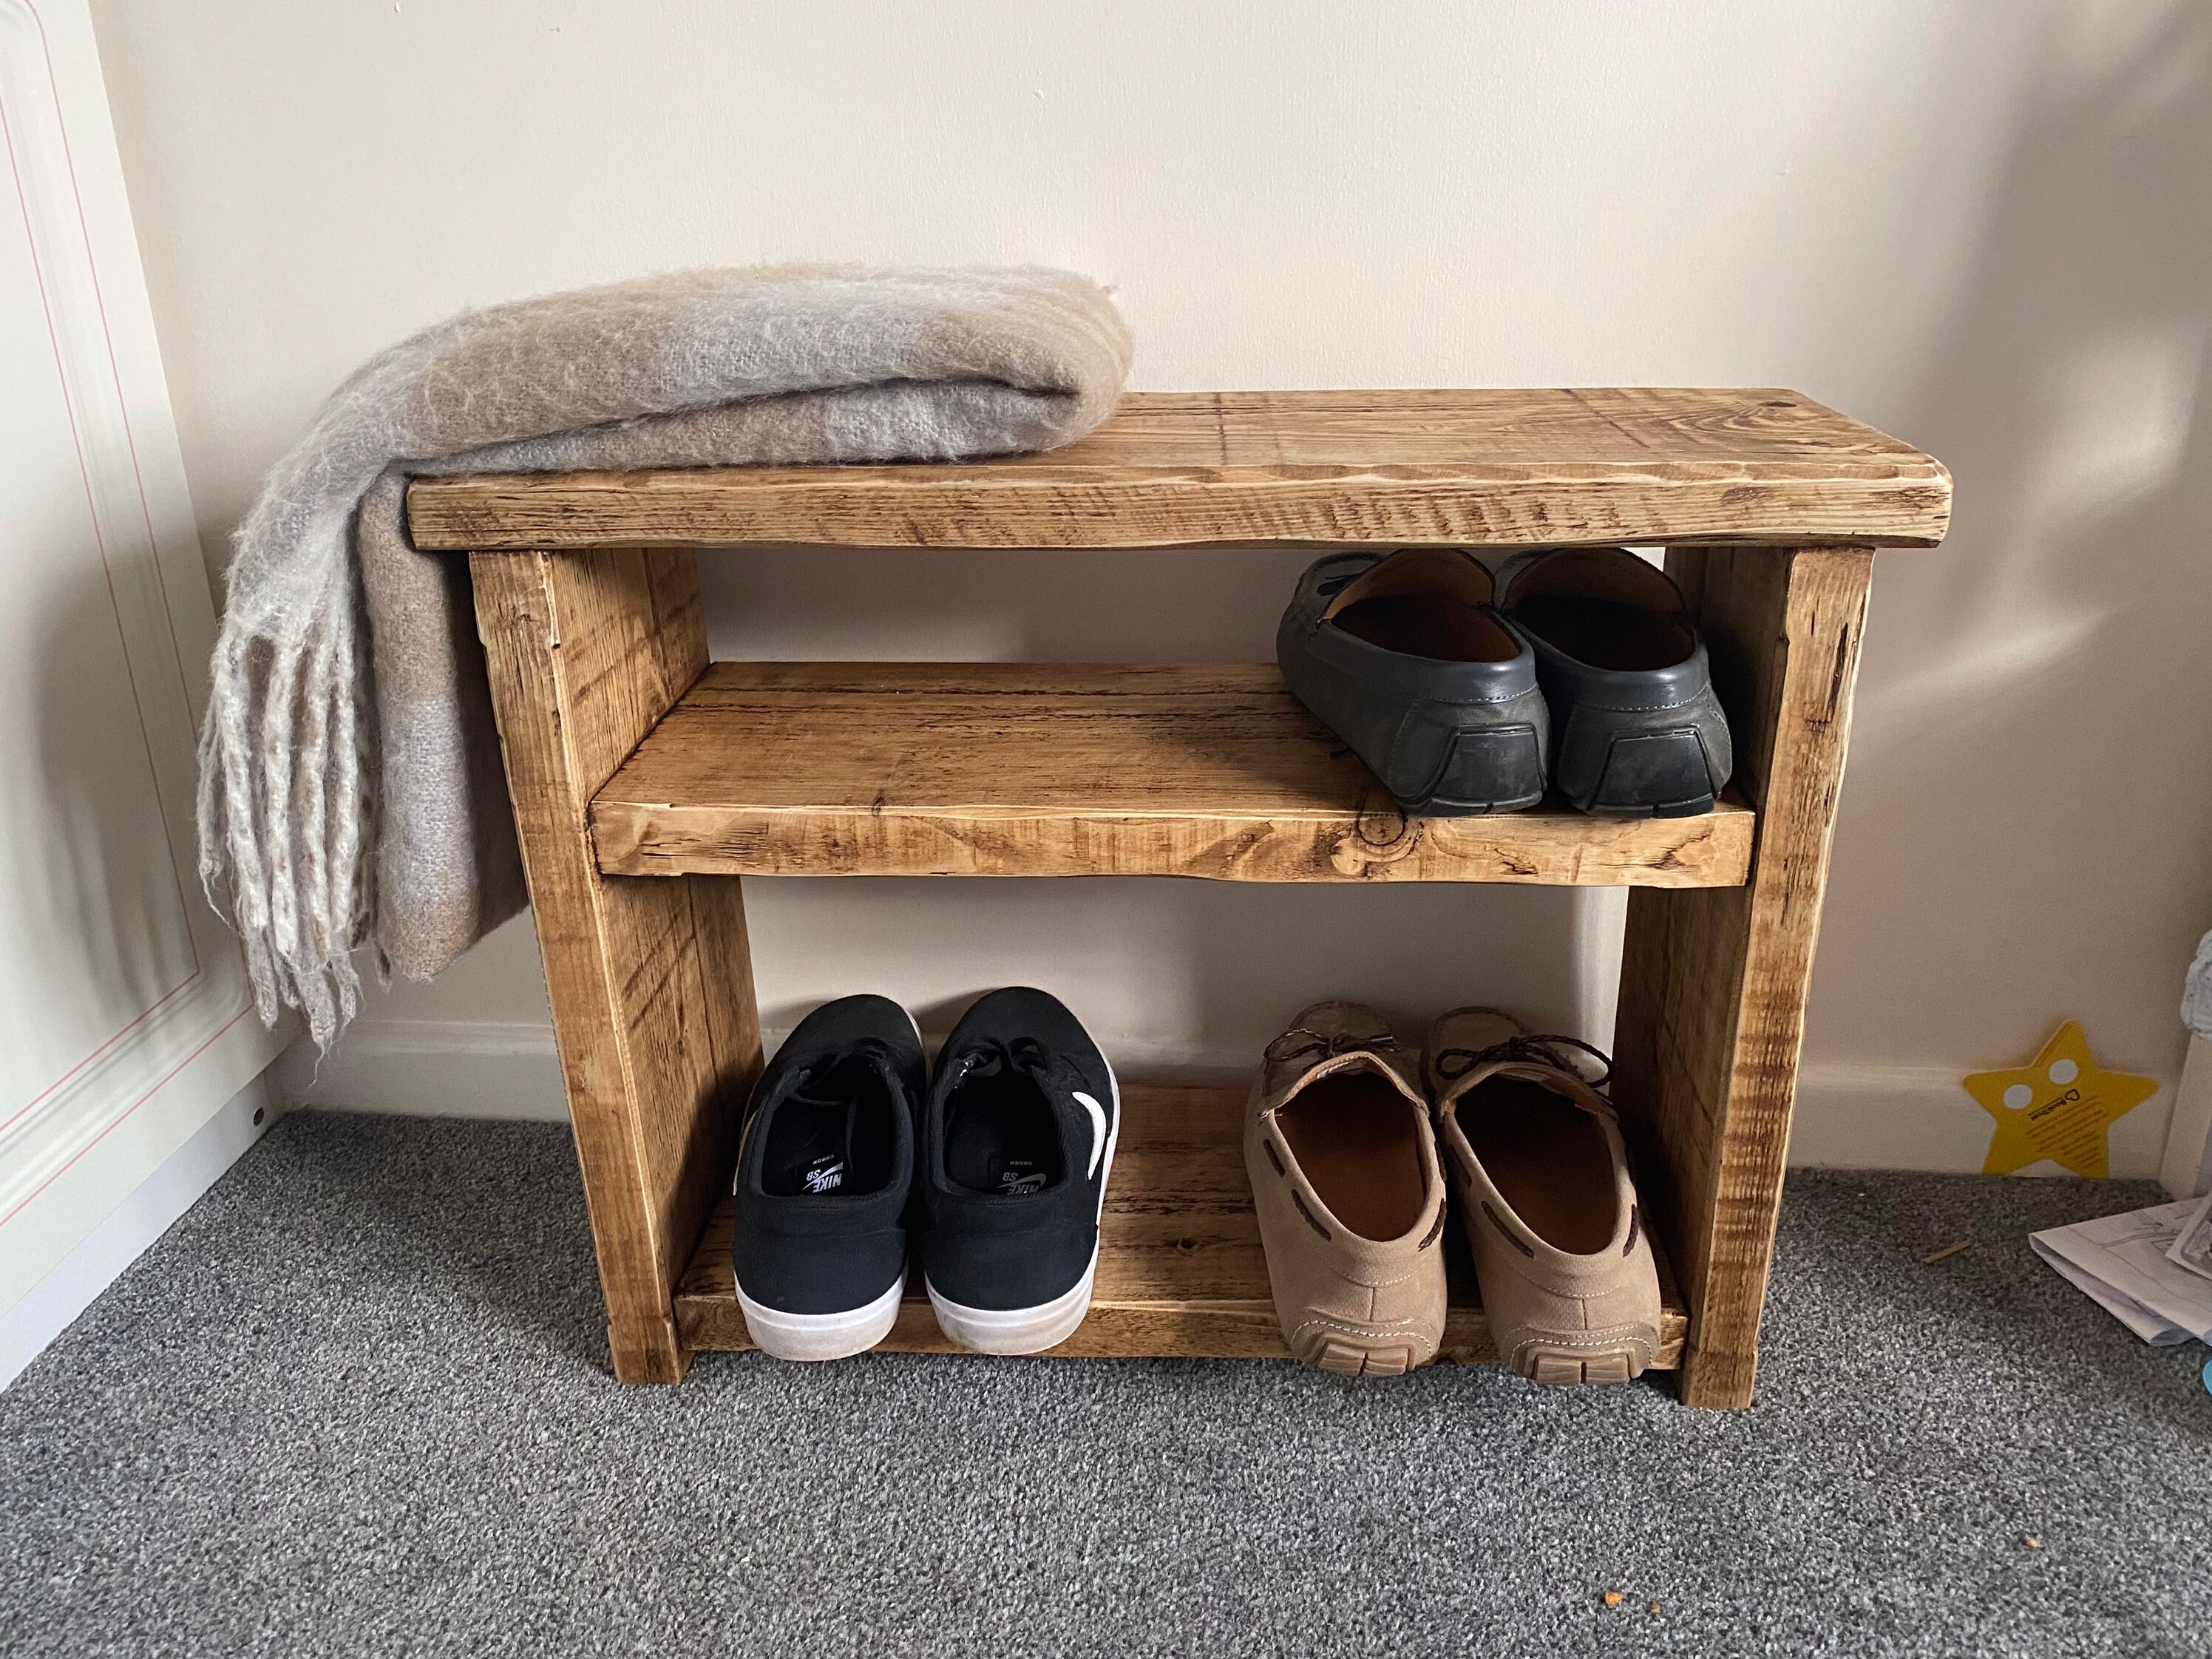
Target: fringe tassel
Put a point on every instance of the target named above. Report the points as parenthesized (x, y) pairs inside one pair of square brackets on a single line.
[(286, 797)]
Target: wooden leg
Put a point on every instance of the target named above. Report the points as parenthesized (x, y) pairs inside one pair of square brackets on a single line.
[(650, 979), (1713, 982)]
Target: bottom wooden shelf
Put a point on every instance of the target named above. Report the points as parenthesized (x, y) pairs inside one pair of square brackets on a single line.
[(1180, 1268)]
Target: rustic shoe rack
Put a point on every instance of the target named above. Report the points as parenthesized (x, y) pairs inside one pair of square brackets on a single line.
[(645, 778)]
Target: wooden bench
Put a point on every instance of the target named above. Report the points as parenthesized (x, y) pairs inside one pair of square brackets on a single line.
[(644, 778)]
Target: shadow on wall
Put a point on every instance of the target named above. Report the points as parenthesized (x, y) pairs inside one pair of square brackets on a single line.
[(2032, 740)]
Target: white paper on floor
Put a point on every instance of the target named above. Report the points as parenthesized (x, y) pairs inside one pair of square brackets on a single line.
[(2193, 1249), (2121, 1262)]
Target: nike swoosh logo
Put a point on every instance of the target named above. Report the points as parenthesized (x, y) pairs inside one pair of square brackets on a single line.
[(1097, 1131)]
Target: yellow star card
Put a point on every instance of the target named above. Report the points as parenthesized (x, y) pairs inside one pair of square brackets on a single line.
[(2060, 1108)]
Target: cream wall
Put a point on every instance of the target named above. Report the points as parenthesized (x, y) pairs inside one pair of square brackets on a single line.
[(1981, 226)]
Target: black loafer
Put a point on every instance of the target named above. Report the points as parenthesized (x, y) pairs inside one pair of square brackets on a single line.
[(1405, 659), (1636, 727)]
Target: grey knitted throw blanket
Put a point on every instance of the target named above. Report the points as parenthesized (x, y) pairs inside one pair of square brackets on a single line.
[(351, 791)]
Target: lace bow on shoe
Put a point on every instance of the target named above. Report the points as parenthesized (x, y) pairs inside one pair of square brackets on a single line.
[(1299, 1043), (1528, 1048)]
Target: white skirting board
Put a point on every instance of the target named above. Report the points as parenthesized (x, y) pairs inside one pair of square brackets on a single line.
[(431, 1068), (1850, 1118), (99, 1259), (458, 1069)]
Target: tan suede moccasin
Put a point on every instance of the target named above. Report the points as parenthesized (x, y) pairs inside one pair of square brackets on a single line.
[(1542, 1182), (1350, 1195)]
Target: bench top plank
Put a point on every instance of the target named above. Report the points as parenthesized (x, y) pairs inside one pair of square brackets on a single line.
[(1545, 467)]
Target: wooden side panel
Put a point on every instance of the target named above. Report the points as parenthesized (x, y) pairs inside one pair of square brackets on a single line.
[(1713, 982), (650, 982)]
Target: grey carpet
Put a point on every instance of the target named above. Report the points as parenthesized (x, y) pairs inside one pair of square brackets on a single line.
[(354, 1403)]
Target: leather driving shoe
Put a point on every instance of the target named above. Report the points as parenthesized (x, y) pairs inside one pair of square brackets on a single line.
[(1349, 1194), (1542, 1183), (1636, 729), (1405, 659)]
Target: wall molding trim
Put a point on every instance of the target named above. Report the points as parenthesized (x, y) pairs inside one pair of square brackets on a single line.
[(132, 1017)]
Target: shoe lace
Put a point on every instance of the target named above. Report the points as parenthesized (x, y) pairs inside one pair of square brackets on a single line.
[(990, 1056), (1552, 1049), (1299, 1043)]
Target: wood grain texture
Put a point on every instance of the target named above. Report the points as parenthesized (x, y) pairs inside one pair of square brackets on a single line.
[(650, 982), (1543, 467), (1029, 770), (1180, 1265), (1713, 984)]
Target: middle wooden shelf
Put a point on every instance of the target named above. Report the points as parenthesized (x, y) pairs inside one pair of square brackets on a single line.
[(1072, 770)]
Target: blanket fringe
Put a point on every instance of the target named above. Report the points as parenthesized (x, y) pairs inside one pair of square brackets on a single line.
[(286, 797)]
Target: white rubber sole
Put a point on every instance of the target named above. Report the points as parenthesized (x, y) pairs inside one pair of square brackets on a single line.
[(1016, 1330), (822, 1336), (1032, 1330)]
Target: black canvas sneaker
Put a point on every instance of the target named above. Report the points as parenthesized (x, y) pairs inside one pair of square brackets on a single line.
[(1017, 1142), (823, 1173)]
